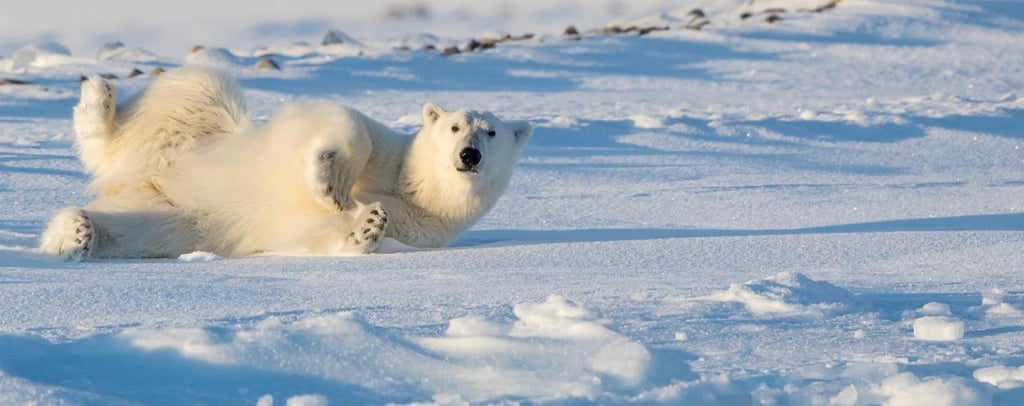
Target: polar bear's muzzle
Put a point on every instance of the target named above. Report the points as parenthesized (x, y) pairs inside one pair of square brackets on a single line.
[(470, 158)]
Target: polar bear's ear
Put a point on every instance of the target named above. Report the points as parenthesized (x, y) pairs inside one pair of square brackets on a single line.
[(522, 130), (431, 112)]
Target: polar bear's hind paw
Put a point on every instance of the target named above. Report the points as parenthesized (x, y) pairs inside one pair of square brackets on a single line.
[(98, 97), (70, 236)]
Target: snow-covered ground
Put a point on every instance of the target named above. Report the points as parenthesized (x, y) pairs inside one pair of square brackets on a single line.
[(827, 209)]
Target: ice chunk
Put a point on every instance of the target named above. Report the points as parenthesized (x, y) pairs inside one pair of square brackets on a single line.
[(198, 256), (938, 328), (646, 122)]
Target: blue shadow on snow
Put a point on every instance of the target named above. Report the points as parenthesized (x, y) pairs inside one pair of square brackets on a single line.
[(104, 366), (496, 70), (840, 131), (1006, 123), (983, 222)]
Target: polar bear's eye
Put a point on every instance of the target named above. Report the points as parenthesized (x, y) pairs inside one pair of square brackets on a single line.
[(491, 133), (455, 128)]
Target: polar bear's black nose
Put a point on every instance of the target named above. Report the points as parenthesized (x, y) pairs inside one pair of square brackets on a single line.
[(470, 157)]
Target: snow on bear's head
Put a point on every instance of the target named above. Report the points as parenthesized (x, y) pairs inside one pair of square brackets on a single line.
[(472, 144)]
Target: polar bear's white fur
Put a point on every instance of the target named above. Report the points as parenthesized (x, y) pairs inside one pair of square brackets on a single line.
[(180, 168)]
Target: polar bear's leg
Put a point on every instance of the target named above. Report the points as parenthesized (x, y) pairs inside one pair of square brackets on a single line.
[(120, 226), (329, 179), (75, 234), (69, 236), (333, 163), (333, 144), (94, 122), (153, 233), (370, 222), (359, 229)]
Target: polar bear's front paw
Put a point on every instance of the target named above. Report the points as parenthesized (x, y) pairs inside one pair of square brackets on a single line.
[(368, 229), (324, 179), (70, 236)]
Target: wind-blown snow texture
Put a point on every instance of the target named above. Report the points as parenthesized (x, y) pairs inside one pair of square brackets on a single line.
[(827, 209)]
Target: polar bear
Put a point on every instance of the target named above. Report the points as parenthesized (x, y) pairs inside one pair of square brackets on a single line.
[(180, 168)]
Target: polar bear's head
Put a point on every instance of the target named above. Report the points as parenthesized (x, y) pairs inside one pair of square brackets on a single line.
[(473, 144)]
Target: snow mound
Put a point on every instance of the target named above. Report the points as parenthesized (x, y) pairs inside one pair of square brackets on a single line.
[(117, 51), (300, 400), (1002, 377), (787, 293), (212, 56), (44, 54), (571, 342), (307, 400), (992, 302), (338, 37), (908, 390), (935, 309), (938, 328), (1002, 309), (714, 390), (646, 122), (553, 350), (562, 122), (993, 297), (16, 391), (198, 256)]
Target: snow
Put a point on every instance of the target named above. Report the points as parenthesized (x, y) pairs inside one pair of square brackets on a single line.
[(198, 256), (826, 209), (907, 390), (1000, 376), (553, 349), (787, 293), (41, 54), (937, 309), (300, 400), (117, 51), (646, 122)]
